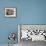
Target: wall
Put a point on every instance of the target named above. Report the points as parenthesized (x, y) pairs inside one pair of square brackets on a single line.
[(28, 12), (8, 25), (33, 12), (33, 27)]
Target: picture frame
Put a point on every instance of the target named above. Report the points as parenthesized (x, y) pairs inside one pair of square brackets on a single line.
[(10, 12)]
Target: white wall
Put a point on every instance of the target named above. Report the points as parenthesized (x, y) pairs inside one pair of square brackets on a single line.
[(40, 27)]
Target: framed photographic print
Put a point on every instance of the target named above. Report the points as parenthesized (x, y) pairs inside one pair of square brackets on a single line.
[(10, 12)]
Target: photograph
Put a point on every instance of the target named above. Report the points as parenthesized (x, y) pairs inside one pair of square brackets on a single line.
[(10, 12)]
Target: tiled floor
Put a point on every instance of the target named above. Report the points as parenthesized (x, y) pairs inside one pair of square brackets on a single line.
[(7, 45), (30, 43)]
